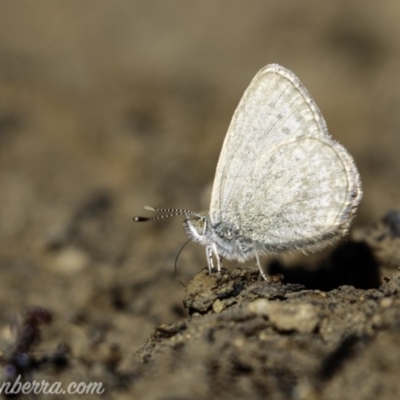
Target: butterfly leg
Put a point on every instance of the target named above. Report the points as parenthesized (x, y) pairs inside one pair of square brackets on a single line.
[(260, 268), (217, 256), (209, 255), (210, 252)]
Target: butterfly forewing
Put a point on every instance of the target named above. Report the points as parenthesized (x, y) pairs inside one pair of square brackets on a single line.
[(280, 177)]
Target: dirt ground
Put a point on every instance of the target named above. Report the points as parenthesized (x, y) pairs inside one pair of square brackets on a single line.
[(108, 106)]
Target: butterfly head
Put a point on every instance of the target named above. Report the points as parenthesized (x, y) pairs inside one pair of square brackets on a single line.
[(198, 227)]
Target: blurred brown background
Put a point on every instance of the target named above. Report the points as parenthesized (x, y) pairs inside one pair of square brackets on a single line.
[(106, 106)]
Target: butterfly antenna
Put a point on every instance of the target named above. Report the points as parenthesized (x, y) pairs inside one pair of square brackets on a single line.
[(176, 263), (170, 212)]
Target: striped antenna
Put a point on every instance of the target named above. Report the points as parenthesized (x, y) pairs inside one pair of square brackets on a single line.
[(171, 212)]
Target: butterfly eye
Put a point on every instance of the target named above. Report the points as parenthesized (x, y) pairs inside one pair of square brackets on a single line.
[(200, 226)]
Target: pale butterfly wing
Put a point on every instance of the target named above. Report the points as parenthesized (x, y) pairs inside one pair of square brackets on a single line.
[(280, 178)]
